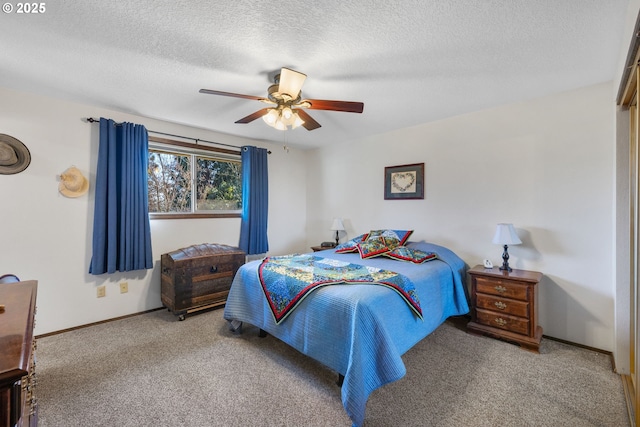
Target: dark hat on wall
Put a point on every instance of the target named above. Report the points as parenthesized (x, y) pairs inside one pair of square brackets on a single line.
[(14, 155)]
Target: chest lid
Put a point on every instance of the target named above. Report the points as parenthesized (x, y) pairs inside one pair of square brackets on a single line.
[(203, 250)]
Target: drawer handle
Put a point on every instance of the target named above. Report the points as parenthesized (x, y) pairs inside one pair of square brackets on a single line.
[(500, 305), (500, 321), (214, 269), (500, 289)]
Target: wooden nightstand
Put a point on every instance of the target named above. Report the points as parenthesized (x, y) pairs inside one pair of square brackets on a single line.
[(504, 305), (321, 248)]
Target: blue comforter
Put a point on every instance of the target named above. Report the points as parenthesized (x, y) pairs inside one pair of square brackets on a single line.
[(360, 331)]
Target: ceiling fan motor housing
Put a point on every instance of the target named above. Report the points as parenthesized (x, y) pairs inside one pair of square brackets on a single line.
[(280, 98)]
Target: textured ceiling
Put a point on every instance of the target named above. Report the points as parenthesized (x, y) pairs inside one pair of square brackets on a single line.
[(410, 62)]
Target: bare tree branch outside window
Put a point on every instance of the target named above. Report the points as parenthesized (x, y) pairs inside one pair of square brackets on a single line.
[(218, 183)]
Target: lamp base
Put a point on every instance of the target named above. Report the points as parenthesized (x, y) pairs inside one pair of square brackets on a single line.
[(505, 260)]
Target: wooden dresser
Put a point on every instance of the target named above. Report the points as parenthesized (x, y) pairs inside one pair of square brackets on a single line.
[(504, 305), (198, 277), (18, 406)]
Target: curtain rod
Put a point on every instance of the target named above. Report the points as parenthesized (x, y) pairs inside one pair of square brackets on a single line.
[(92, 120)]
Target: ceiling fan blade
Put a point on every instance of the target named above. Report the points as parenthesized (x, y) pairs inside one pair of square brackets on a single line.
[(291, 82), (234, 95), (309, 122), (323, 104), (253, 116)]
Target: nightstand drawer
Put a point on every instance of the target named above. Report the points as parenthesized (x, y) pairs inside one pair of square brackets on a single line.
[(504, 305), (504, 288), (503, 321)]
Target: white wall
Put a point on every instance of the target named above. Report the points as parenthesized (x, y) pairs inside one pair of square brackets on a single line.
[(544, 165), (47, 237)]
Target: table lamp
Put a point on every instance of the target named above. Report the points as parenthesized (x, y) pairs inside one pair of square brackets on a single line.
[(506, 235), (337, 226)]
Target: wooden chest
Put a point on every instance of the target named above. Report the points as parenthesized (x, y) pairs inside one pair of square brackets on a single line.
[(504, 305), (198, 277)]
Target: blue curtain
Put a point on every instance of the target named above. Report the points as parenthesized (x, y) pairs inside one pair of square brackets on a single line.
[(255, 201), (121, 231)]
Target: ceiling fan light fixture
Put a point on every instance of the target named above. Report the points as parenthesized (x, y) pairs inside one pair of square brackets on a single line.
[(287, 113), (280, 125), (282, 118), (271, 117), (297, 122)]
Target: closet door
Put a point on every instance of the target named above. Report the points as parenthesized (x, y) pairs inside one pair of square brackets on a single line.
[(632, 385), (634, 228), (628, 100)]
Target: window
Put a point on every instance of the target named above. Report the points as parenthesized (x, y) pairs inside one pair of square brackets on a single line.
[(188, 182)]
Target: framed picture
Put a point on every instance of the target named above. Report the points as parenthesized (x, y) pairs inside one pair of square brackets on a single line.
[(404, 182)]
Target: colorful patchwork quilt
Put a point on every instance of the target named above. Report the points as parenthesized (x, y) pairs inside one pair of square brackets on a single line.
[(287, 280)]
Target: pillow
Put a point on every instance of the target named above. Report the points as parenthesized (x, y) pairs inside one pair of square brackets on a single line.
[(351, 245), (400, 235), (416, 256), (373, 247)]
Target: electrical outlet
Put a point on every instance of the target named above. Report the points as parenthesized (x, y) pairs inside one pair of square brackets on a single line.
[(124, 287), (102, 291)]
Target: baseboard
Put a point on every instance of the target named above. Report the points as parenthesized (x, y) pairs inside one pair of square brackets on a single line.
[(586, 347), (462, 320), (97, 323)]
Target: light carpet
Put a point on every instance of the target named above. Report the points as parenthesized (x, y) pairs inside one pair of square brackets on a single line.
[(152, 369)]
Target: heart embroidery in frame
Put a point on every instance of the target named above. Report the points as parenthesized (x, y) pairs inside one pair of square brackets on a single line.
[(403, 181)]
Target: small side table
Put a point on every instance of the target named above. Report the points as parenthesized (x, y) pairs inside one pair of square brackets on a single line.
[(504, 305)]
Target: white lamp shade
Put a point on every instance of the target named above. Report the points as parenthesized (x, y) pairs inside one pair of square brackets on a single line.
[(297, 122), (287, 113), (291, 82), (337, 225), (506, 235), (271, 117)]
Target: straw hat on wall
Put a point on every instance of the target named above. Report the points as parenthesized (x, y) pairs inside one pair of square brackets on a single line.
[(73, 183), (14, 155)]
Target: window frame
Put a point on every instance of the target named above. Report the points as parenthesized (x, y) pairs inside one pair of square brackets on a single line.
[(186, 148)]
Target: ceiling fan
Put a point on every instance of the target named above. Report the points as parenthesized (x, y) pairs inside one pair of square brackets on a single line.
[(287, 109)]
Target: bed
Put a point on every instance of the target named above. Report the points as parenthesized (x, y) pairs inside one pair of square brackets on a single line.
[(358, 330)]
